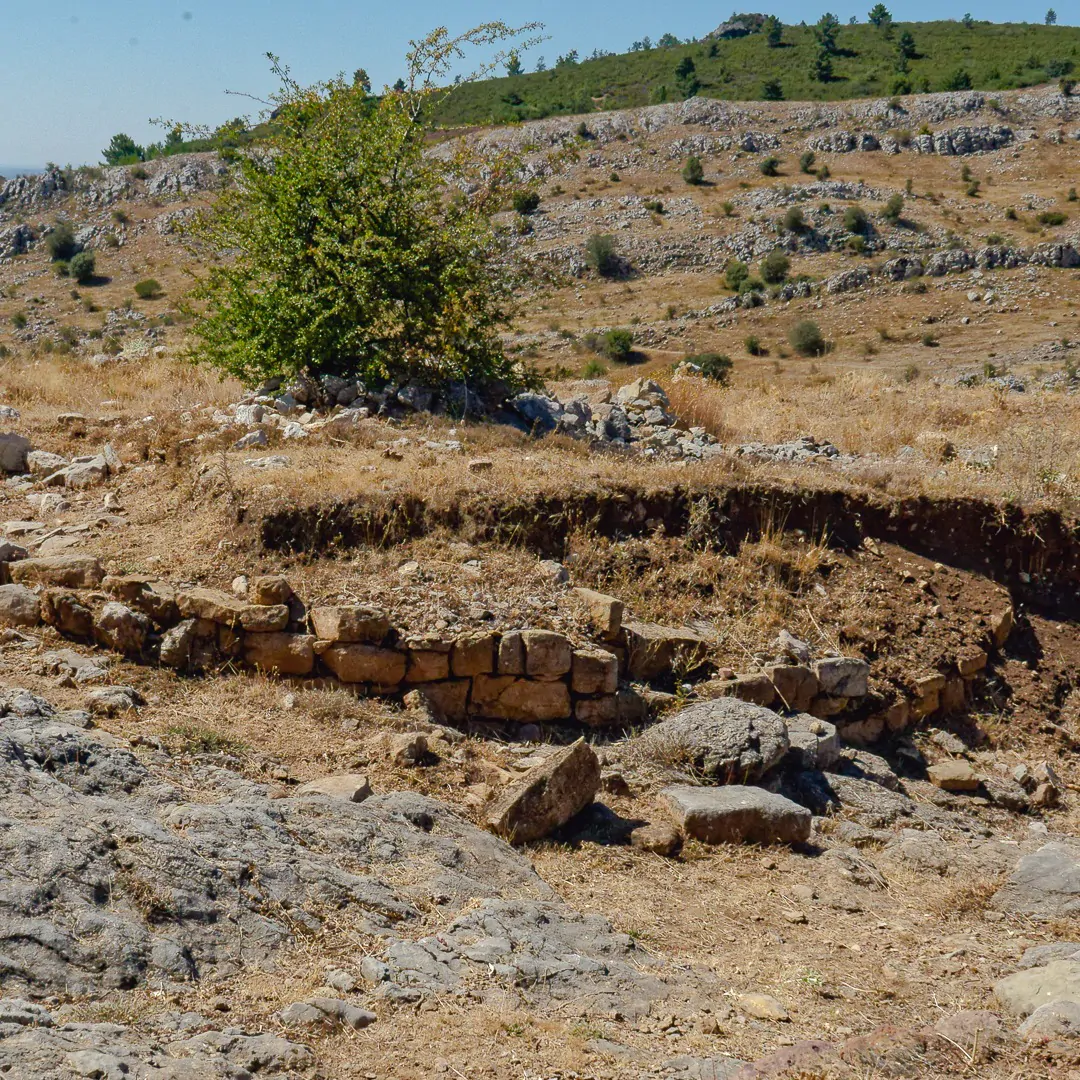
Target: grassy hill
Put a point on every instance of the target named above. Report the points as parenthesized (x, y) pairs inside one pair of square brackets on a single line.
[(994, 56)]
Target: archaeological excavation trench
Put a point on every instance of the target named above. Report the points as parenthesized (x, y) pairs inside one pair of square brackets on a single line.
[(1035, 554)]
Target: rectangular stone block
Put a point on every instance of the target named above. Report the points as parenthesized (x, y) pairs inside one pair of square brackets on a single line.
[(350, 623), (227, 610), (605, 612), (356, 662), (426, 666), (654, 650), (594, 671), (796, 686), (447, 700), (971, 661), (843, 676), (511, 658), (507, 697), (473, 654), (284, 654), (67, 571), (548, 655)]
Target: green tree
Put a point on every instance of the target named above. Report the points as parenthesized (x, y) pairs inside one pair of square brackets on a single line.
[(825, 31), (905, 46), (958, 80), (346, 254), (61, 242), (123, 150), (82, 267), (775, 267), (967, 21), (773, 29), (894, 207), (686, 77), (513, 64), (821, 69), (693, 172), (806, 339), (880, 16), (361, 80), (771, 90), (1051, 17), (735, 273), (667, 41), (601, 255)]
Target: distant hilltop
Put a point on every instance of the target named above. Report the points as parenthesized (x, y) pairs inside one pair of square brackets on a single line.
[(8, 171)]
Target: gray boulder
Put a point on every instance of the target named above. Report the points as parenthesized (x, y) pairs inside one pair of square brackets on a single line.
[(1024, 991), (1055, 1020), (735, 814), (1045, 884), (727, 740), (13, 451)]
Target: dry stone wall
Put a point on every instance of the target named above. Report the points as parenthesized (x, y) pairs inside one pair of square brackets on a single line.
[(524, 676)]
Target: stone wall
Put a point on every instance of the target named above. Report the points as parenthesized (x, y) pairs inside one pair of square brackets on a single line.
[(520, 675)]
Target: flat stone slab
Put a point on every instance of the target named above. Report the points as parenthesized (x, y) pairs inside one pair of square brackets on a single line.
[(1045, 883), (734, 814), (1024, 991)]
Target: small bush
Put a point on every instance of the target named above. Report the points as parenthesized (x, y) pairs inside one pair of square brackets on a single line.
[(526, 202), (972, 190), (857, 244), (770, 167), (911, 373), (806, 339), (795, 220), (736, 274), (823, 173), (1010, 214), (18, 320), (593, 370), (601, 256), (894, 207), (806, 162), (82, 267), (120, 217), (148, 289), (728, 208), (754, 346), (1072, 196), (855, 219), (929, 339), (1052, 217), (693, 171), (61, 242), (614, 344), (655, 206), (714, 366), (775, 267)]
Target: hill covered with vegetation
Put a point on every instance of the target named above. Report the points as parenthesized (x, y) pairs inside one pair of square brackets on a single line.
[(827, 61)]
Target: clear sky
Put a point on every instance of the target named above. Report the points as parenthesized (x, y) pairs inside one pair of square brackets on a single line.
[(74, 73)]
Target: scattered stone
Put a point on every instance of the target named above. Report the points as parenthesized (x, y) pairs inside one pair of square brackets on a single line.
[(19, 606), (547, 796), (325, 1011), (763, 1007), (113, 700), (658, 838), (736, 814), (953, 776)]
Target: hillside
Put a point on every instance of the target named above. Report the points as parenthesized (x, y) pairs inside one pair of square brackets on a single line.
[(996, 56)]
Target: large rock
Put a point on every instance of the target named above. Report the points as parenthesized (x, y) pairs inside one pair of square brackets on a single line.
[(1024, 991), (19, 606), (842, 676), (350, 623), (728, 740), (605, 612), (350, 787), (356, 663), (68, 571), (13, 451), (118, 627), (655, 650), (736, 814), (225, 609), (284, 654), (1045, 884), (548, 655), (506, 697), (160, 910), (1055, 1020), (547, 796)]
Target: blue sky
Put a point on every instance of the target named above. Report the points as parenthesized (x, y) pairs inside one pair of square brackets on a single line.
[(76, 72)]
